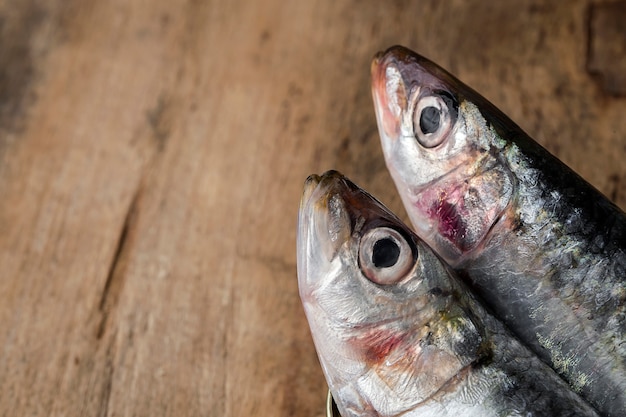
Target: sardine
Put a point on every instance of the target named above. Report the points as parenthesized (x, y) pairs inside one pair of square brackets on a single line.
[(397, 334), (541, 247)]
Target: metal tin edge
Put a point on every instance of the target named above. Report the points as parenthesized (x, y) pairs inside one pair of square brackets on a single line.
[(331, 407)]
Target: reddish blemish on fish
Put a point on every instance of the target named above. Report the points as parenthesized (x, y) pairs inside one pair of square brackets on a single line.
[(443, 210), (380, 343), (450, 224)]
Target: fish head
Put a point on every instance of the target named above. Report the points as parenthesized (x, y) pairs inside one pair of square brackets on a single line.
[(441, 151), (381, 306)]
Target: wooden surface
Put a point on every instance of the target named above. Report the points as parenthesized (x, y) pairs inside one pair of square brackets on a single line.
[(152, 155)]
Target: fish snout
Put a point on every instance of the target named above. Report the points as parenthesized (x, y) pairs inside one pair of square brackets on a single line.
[(324, 222), (310, 184), (389, 94)]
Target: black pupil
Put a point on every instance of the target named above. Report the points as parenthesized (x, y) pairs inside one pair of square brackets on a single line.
[(385, 253), (429, 120)]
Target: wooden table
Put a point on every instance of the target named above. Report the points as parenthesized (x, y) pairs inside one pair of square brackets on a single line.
[(152, 155)]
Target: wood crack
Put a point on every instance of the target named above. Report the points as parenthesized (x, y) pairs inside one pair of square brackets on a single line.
[(115, 277), (107, 387)]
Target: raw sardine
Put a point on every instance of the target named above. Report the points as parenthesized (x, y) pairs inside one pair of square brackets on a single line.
[(397, 334), (541, 247)]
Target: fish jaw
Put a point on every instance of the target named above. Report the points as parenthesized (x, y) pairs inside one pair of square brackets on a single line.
[(389, 96), (390, 103), (453, 189), (397, 82), (323, 227), (324, 281), (350, 333)]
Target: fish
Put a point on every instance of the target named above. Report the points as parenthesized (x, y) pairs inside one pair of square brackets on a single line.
[(396, 332), (542, 248)]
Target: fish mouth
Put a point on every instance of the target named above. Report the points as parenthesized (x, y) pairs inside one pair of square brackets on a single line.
[(322, 207), (388, 94), (324, 200), (324, 226)]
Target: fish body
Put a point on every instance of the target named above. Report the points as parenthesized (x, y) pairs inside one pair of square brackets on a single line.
[(541, 247), (397, 334)]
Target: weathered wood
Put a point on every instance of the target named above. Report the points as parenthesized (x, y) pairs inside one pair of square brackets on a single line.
[(152, 156)]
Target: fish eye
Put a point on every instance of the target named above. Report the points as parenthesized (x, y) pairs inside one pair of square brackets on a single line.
[(385, 256), (433, 119)]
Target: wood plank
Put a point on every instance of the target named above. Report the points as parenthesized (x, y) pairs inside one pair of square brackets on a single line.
[(152, 156)]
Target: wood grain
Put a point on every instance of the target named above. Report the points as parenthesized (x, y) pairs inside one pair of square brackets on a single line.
[(152, 156)]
